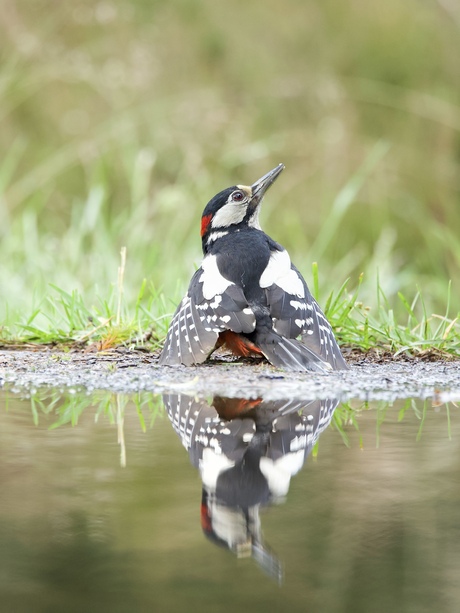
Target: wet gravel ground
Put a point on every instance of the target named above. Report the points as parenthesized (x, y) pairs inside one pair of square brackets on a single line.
[(128, 371)]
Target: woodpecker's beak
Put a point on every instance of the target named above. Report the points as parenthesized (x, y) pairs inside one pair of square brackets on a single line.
[(260, 187)]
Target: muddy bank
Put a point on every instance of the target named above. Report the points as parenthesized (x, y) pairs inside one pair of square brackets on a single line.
[(130, 371)]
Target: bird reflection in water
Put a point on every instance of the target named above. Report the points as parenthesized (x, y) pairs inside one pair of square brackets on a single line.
[(246, 450)]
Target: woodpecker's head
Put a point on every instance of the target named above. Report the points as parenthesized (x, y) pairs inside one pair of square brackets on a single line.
[(235, 207)]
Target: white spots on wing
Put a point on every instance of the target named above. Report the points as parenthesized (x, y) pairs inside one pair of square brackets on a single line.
[(231, 213), (248, 311), (304, 322), (226, 318), (213, 282), (298, 305), (206, 435), (298, 442), (279, 271)]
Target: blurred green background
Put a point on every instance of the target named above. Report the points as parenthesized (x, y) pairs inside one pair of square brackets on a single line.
[(120, 120)]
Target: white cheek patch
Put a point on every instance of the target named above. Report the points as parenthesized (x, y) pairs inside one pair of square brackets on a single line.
[(279, 271), (213, 282), (231, 213)]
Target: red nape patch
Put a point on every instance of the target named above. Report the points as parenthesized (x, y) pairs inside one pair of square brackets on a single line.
[(205, 221)]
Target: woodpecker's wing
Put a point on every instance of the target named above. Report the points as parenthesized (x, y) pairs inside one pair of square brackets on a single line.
[(296, 313), (212, 305), (287, 426), (319, 337), (199, 427)]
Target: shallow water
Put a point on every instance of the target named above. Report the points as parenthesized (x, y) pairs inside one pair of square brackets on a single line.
[(106, 507)]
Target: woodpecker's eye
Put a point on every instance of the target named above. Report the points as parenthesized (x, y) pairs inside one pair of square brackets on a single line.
[(238, 196)]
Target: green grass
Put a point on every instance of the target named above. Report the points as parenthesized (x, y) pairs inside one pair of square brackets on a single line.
[(58, 410), (112, 135), (68, 321), (366, 328)]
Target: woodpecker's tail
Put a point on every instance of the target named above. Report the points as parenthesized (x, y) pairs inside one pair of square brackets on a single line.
[(289, 353)]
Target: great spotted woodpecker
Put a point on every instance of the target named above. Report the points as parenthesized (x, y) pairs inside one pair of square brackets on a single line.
[(247, 451), (247, 295)]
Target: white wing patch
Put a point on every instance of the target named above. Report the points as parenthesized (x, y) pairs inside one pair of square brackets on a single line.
[(213, 282), (278, 473), (279, 271)]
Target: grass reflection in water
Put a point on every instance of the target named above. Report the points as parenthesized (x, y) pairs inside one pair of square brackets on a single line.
[(246, 450)]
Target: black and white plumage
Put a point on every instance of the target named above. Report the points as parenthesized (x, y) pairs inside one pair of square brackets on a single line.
[(248, 295), (219, 434), (247, 451)]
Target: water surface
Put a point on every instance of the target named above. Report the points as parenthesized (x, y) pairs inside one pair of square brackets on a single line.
[(116, 503)]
